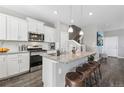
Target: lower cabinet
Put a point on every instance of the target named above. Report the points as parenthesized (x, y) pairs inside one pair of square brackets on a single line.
[(23, 62), (13, 64), (3, 66)]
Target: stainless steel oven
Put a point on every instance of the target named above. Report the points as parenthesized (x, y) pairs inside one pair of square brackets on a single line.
[(35, 62), (35, 59), (35, 37)]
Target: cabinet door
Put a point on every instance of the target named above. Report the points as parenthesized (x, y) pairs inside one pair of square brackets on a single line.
[(40, 28), (53, 35), (32, 27), (12, 28), (2, 27), (23, 33), (3, 67), (13, 65), (49, 34), (24, 62)]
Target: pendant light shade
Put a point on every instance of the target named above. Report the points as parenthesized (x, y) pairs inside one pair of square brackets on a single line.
[(81, 33), (70, 30)]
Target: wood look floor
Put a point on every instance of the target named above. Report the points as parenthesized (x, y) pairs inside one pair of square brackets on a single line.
[(33, 79), (112, 72)]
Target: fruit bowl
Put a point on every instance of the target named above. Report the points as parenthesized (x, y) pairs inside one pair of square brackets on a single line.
[(4, 50)]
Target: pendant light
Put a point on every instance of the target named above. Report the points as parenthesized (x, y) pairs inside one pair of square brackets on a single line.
[(70, 30), (81, 31)]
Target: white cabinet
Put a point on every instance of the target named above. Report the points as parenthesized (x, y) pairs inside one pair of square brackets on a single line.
[(12, 28), (32, 26), (17, 63), (50, 34), (13, 65), (24, 62), (35, 26), (23, 33), (40, 27), (2, 27), (3, 66)]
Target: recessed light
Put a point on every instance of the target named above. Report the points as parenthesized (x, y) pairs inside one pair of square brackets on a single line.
[(72, 20), (90, 13), (55, 12)]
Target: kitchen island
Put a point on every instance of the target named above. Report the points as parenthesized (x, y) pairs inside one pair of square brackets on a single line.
[(56, 67)]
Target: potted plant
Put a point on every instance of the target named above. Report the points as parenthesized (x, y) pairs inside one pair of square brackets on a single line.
[(91, 58)]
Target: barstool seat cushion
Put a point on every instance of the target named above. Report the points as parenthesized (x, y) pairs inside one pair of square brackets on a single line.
[(91, 66), (74, 79), (84, 70)]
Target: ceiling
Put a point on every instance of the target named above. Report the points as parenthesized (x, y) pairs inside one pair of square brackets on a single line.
[(103, 15)]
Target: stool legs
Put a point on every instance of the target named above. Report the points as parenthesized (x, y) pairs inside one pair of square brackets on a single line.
[(100, 74), (95, 76)]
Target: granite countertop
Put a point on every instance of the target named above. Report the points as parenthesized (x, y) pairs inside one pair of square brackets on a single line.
[(69, 57), (13, 52)]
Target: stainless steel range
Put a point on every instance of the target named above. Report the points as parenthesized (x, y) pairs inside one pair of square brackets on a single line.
[(35, 58)]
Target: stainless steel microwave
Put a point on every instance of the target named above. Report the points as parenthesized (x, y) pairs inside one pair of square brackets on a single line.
[(35, 37)]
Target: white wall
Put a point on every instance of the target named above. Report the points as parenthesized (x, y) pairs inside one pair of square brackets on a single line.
[(120, 34), (90, 36)]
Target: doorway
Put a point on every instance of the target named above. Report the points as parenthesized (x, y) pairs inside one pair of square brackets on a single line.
[(111, 46)]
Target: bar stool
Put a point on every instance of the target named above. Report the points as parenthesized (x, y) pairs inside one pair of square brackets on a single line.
[(87, 74), (94, 79), (94, 72), (92, 66), (74, 79), (98, 65)]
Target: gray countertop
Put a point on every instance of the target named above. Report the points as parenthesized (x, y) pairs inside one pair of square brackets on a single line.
[(13, 52), (69, 57)]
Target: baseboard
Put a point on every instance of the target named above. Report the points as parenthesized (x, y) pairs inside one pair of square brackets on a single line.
[(11, 76), (112, 57), (120, 57)]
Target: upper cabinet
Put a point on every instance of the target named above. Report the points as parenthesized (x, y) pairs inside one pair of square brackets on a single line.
[(2, 27), (22, 32), (16, 29), (40, 27), (35, 26), (12, 28), (50, 34), (31, 26)]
